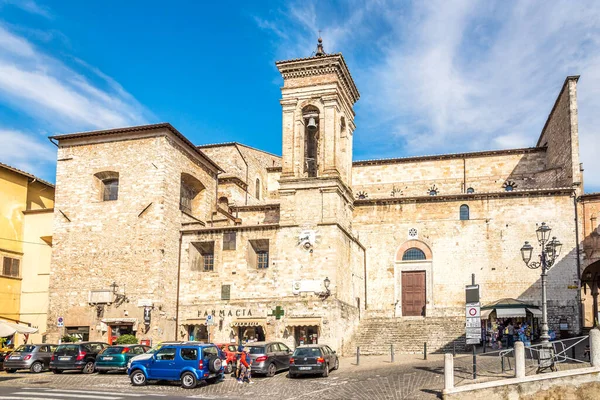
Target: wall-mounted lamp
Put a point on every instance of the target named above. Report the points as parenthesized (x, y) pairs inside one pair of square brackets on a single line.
[(327, 292)]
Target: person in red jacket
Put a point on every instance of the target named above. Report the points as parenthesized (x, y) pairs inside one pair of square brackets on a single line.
[(244, 367)]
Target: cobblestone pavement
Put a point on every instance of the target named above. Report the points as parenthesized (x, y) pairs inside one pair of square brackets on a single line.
[(375, 378)]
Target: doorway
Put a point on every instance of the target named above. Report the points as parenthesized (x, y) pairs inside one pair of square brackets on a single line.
[(413, 294), (114, 331), (197, 333), (251, 334)]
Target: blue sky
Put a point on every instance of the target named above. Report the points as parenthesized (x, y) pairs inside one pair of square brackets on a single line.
[(435, 77)]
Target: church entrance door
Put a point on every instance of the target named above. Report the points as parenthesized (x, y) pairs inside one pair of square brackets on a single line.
[(413, 293)]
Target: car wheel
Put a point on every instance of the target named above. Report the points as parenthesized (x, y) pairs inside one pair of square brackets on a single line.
[(271, 370), (138, 378), (326, 372), (188, 380), (57, 371), (10, 371), (293, 376), (337, 364), (36, 367), (89, 367)]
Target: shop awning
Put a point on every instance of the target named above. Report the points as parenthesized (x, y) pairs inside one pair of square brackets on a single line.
[(249, 322), (121, 321), (9, 329), (510, 312), (485, 314), (303, 322), (536, 313)]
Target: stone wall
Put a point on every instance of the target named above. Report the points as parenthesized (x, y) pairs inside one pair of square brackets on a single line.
[(98, 242)]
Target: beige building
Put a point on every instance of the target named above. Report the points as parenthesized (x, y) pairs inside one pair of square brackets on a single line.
[(155, 236), (26, 214)]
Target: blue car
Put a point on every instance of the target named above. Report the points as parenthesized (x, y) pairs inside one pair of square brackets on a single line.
[(189, 363)]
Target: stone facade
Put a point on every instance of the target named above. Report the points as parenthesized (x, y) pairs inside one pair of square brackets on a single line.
[(311, 244)]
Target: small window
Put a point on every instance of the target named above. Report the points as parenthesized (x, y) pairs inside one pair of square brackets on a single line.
[(413, 254), (258, 189), (202, 256), (229, 241), (189, 354), (470, 190), (464, 212), (262, 259), (109, 185), (225, 292), (11, 266), (258, 254)]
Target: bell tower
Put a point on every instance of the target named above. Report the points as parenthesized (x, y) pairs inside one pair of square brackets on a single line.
[(318, 96)]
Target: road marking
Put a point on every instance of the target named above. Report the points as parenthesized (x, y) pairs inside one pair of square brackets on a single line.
[(79, 396), (24, 398), (96, 392)]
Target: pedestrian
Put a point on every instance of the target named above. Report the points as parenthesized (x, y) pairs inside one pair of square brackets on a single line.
[(499, 338), (511, 335), (244, 367), (238, 364)]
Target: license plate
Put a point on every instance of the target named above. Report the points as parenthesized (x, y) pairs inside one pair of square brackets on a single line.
[(107, 358), (304, 368), (15, 357), (64, 358)]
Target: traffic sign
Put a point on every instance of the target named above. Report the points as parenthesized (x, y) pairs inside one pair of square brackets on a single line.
[(210, 320), (473, 340), (473, 323), (60, 322), (473, 310)]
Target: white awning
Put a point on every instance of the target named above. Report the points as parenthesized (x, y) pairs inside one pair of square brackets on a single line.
[(9, 329), (510, 312), (536, 313), (303, 322), (485, 314)]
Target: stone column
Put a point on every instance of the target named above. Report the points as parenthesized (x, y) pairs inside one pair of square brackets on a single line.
[(519, 359), (595, 347), (448, 371), (288, 133), (329, 134)]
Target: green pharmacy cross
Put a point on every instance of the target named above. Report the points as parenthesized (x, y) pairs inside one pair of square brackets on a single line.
[(277, 312)]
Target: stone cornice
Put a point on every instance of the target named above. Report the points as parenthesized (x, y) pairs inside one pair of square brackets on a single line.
[(465, 197), (488, 153), (256, 207), (235, 180), (216, 229), (321, 65)]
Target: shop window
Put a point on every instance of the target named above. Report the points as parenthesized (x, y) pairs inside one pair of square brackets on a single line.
[(108, 185), (413, 254), (11, 267), (202, 256), (258, 254), (197, 333), (464, 212), (191, 194), (82, 333), (229, 240)]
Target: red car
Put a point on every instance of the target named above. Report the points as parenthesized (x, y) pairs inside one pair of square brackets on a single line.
[(230, 351)]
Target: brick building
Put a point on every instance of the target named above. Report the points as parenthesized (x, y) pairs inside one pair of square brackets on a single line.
[(153, 234)]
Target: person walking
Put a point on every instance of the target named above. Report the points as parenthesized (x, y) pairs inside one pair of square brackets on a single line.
[(511, 334), (244, 367)]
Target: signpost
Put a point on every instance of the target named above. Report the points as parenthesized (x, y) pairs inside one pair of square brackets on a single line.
[(473, 319), (210, 321), (60, 322)]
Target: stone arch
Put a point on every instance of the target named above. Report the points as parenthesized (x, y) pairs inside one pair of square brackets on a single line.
[(192, 194), (409, 244), (311, 139)]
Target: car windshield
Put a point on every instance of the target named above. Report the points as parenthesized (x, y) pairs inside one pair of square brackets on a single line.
[(113, 350), (307, 352), (26, 348), (68, 349), (256, 350)]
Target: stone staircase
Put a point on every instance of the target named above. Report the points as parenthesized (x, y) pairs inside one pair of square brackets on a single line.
[(375, 335)]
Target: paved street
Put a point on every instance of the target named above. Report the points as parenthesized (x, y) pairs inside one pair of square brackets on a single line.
[(376, 378)]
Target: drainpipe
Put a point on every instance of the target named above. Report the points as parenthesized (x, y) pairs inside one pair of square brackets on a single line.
[(365, 274), (464, 185), (578, 262), (178, 282)]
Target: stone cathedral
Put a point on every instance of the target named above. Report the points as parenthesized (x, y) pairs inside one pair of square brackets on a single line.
[(172, 240)]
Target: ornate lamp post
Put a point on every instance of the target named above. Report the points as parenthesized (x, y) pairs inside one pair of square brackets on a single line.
[(550, 252)]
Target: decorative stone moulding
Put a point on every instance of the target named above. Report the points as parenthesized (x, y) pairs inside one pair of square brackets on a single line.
[(509, 186), (433, 190), (396, 191), (361, 195)]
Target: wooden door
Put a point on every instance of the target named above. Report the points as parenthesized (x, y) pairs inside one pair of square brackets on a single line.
[(413, 293)]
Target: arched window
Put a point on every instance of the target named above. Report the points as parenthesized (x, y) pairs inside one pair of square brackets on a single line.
[(258, 189), (413, 254), (310, 115), (464, 212), (191, 194), (109, 185), (470, 190)]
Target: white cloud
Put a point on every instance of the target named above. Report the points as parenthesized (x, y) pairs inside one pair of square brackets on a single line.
[(29, 6), (47, 90), (441, 76), (28, 152)]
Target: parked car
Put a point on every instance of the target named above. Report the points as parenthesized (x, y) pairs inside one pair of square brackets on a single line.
[(34, 357), (76, 356), (313, 359), (116, 358), (230, 351), (147, 355), (269, 357), (187, 362)]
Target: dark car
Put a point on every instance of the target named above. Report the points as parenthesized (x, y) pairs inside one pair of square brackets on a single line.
[(189, 363), (313, 359), (3, 355), (76, 356), (116, 358), (34, 357), (269, 357)]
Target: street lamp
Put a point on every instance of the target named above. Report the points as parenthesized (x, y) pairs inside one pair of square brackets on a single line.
[(550, 251)]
